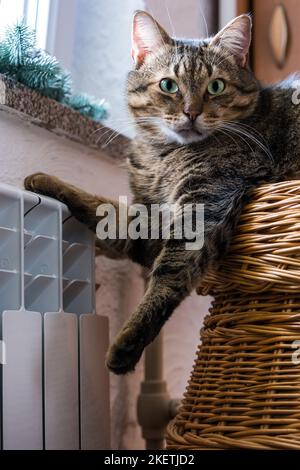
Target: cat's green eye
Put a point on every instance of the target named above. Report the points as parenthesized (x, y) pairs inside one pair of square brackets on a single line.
[(168, 85), (216, 87)]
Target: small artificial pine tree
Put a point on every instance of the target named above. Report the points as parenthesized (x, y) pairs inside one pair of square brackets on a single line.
[(21, 60)]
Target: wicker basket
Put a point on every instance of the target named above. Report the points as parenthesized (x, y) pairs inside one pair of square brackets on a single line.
[(244, 390)]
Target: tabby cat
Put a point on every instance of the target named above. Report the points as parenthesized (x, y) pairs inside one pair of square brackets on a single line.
[(207, 132)]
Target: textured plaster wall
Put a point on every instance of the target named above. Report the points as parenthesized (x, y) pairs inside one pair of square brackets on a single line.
[(101, 60), (102, 52)]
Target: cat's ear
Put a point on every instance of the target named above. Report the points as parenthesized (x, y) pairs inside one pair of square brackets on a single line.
[(147, 36), (236, 37)]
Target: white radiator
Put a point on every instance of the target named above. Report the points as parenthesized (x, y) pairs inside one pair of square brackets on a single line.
[(54, 390)]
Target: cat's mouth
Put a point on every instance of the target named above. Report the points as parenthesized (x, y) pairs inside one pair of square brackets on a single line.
[(183, 135), (189, 131), (191, 134)]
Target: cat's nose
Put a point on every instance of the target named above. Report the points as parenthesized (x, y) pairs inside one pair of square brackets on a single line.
[(192, 115)]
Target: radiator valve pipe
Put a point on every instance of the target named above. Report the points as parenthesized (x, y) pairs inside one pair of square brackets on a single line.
[(154, 407)]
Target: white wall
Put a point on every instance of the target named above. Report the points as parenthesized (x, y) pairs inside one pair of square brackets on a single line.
[(185, 18), (102, 52), (227, 11)]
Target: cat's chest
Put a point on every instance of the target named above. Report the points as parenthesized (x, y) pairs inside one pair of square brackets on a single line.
[(154, 185), (153, 179)]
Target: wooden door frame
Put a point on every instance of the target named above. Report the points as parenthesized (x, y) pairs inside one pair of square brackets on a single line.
[(246, 6), (243, 6)]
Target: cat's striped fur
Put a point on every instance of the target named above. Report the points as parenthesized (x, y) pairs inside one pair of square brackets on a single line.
[(239, 139)]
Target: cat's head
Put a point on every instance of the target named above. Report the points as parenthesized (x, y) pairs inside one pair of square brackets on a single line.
[(183, 90)]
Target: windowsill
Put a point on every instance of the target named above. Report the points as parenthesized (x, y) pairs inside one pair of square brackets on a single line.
[(57, 118)]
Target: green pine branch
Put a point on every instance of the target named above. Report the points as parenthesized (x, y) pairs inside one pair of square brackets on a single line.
[(19, 43), (90, 107), (22, 61)]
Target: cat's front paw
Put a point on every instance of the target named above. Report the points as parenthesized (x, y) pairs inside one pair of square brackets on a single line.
[(37, 183), (123, 355)]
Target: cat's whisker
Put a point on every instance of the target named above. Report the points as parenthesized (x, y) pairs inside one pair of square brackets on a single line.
[(231, 130), (120, 122), (111, 132), (216, 138), (165, 45), (104, 133), (254, 137), (218, 64), (112, 137), (115, 133), (217, 58), (243, 132), (97, 130), (108, 125), (204, 20), (107, 131), (255, 131), (156, 27), (227, 134), (173, 31), (212, 63), (243, 137)]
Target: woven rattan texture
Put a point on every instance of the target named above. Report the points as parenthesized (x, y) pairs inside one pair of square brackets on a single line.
[(244, 390)]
